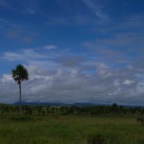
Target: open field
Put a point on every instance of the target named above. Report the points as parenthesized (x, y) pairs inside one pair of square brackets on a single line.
[(69, 129)]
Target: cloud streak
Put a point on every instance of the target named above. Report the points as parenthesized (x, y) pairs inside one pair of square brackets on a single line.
[(95, 8), (25, 54)]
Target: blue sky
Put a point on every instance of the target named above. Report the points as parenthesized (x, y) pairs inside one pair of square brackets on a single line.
[(74, 50)]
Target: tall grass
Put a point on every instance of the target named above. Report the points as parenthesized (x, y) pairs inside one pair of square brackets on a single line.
[(57, 129)]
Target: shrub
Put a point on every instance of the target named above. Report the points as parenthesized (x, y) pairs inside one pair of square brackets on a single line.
[(95, 139), (140, 121)]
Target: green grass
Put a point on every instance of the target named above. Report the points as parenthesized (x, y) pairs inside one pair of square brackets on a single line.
[(57, 129)]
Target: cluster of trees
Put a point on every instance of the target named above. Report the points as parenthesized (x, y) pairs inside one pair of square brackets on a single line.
[(73, 110)]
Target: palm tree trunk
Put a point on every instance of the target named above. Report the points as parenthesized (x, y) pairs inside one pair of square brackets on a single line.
[(20, 99)]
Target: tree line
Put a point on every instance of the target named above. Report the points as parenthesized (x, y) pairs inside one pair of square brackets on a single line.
[(72, 110)]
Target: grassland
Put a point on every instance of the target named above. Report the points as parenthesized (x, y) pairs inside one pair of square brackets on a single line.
[(70, 129)]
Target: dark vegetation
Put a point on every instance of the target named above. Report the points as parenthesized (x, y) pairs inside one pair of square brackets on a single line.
[(71, 124), (74, 110)]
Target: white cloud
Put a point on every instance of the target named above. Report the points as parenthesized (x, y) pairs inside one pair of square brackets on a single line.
[(70, 86), (6, 78), (25, 54), (103, 70), (117, 91), (12, 56), (128, 82), (49, 47), (53, 80), (116, 82), (36, 73), (33, 54), (140, 87)]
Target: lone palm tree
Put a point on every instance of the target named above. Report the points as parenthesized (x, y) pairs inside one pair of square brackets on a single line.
[(20, 74)]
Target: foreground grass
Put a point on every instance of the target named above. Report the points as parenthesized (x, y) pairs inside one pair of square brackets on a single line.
[(57, 129)]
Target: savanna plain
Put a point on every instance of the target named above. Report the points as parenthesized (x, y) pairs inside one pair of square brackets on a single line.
[(67, 125)]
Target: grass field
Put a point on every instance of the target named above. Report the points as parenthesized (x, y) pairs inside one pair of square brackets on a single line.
[(58, 129)]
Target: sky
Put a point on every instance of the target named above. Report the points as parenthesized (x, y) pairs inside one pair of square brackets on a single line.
[(76, 51)]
